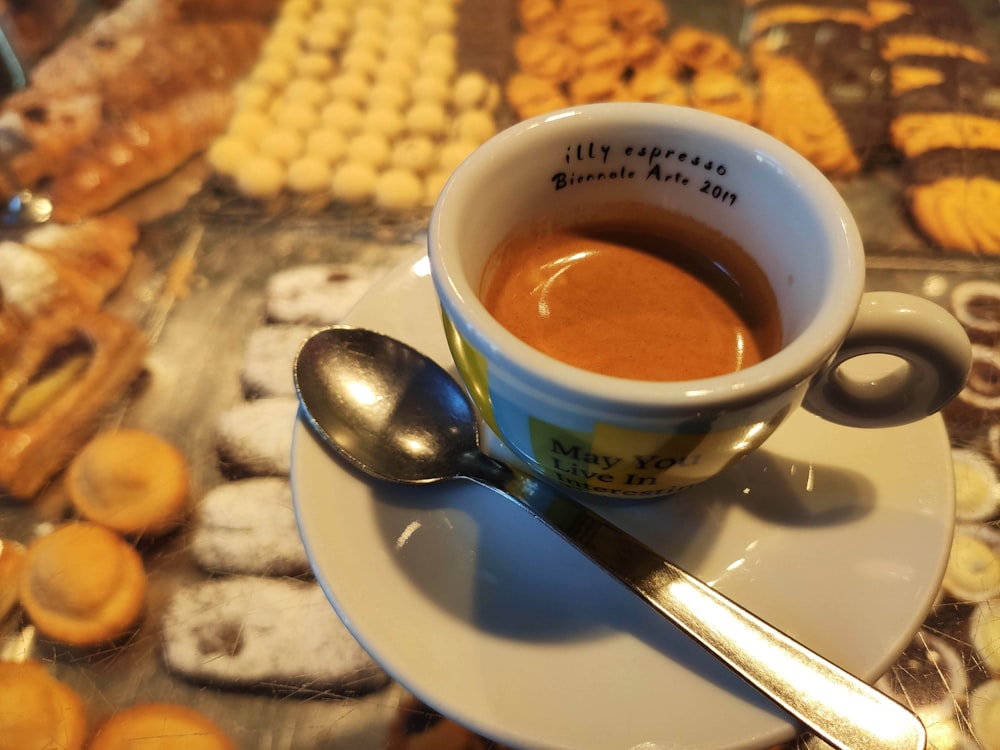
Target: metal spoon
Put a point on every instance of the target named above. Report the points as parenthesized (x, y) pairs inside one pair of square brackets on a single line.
[(398, 416)]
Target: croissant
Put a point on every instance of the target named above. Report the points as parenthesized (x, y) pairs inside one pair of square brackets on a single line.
[(54, 390)]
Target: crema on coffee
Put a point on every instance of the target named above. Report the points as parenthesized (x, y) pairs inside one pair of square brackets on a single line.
[(639, 293)]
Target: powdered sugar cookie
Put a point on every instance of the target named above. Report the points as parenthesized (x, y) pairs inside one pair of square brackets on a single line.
[(248, 527), (316, 294), (254, 438), (267, 359), (248, 632)]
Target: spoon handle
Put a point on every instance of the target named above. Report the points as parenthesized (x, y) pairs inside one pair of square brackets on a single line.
[(842, 709)]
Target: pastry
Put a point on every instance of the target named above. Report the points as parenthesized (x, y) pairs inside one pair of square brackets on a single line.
[(530, 95), (724, 94), (105, 115), (954, 108), (254, 438), (57, 269), (540, 16), (815, 131), (130, 481), (174, 727), (546, 57), (649, 85), (277, 634), (37, 711), (939, 28), (54, 389), (951, 194), (597, 87), (83, 585), (649, 16), (93, 256), (320, 294), (126, 155), (768, 16), (11, 564), (843, 62), (248, 527), (697, 49)]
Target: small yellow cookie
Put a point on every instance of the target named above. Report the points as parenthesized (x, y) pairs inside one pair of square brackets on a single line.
[(37, 710), (82, 584), (131, 481), (174, 727)]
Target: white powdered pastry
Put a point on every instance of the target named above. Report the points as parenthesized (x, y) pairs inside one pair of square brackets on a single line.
[(268, 357), (27, 280), (274, 633), (319, 294), (248, 527), (254, 438)]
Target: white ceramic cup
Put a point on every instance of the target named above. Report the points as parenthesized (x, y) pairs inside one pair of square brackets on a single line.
[(614, 437)]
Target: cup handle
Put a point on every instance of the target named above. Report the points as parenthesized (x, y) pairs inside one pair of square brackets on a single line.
[(933, 359)]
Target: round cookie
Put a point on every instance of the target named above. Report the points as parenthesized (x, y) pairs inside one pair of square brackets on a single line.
[(82, 584), (174, 726), (131, 481), (37, 710)]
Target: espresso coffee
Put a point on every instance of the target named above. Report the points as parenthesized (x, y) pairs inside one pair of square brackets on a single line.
[(641, 294)]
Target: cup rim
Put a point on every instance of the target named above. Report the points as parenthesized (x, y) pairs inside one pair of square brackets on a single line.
[(794, 363)]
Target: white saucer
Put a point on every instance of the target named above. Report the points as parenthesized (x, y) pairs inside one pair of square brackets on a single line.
[(839, 536)]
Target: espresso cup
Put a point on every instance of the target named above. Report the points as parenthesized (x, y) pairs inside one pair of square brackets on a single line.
[(617, 437)]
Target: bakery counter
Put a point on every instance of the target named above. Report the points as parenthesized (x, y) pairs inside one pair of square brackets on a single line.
[(208, 274)]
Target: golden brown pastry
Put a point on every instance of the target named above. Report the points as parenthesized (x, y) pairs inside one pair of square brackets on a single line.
[(763, 21), (641, 15), (175, 727), (83, 585), (530, 95), (55, 387), (93, 256), (959, 213), (724, 94), (130, 481), (546, 57), (598, 86), (898, 46), (915, 133), (650, 85), (698, 49), (11, 563), (792, 108), (37, 711)]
